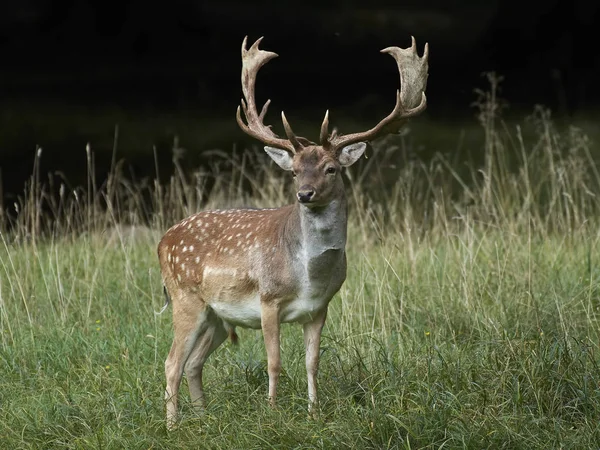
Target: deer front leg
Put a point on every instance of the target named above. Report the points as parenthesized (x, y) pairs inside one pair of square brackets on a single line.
[(270, 329), (312, 343)]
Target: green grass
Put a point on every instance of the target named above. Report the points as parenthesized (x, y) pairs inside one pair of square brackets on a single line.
[(478, 339), (470, 317)]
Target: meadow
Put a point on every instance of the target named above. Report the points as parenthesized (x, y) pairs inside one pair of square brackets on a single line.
[(469, 319)]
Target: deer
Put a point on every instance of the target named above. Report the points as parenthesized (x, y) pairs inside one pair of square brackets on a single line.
[(259, 268)]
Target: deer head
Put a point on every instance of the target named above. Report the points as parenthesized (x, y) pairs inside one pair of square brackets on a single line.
[(317, 167)]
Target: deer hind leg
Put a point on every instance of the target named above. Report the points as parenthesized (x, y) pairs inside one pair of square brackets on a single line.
[(189, 322), (214, 334)]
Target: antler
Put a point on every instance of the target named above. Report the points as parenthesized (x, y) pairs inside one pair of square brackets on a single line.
[(410, 99), (252, 60)]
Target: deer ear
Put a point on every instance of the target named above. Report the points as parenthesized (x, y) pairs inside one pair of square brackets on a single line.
[(281, 157), (350, 154)]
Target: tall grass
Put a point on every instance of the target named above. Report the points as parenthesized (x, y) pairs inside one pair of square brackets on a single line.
[(470, 316)]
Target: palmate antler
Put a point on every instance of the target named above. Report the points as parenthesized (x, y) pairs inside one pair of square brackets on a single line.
[(410, 101), (252, 60)]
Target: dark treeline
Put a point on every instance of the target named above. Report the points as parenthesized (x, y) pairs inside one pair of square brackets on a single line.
[(188, 51), (73, 69)]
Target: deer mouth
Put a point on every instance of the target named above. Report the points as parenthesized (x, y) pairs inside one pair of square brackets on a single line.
[(305, 200)]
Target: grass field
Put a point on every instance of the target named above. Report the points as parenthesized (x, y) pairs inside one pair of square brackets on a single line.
[(470, 317)]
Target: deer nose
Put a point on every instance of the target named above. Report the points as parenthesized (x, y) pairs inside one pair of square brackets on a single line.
[(305, 193)]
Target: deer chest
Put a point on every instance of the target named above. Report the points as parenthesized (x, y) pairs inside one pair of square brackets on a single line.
[(319, 280)]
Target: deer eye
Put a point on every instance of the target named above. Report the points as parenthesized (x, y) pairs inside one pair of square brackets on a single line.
[(330, 170)]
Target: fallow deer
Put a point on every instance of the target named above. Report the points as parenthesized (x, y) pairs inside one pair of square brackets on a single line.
[(259, 268)]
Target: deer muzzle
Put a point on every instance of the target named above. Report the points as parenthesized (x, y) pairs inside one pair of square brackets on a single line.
[(306, 193)]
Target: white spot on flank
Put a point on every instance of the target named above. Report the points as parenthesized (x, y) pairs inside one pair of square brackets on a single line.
[(184, 249), (197, 260), (219, 271), (177, 259), (191, 248)]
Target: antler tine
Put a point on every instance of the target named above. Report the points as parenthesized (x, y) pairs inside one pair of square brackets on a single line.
[(324, 135), (263, 111), (252, 60), (290, 134), (410, 99)]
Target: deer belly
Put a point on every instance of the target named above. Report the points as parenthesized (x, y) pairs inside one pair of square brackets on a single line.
[(243, 312)]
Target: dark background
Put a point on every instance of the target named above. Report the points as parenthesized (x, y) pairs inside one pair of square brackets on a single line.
[(71, 70)]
